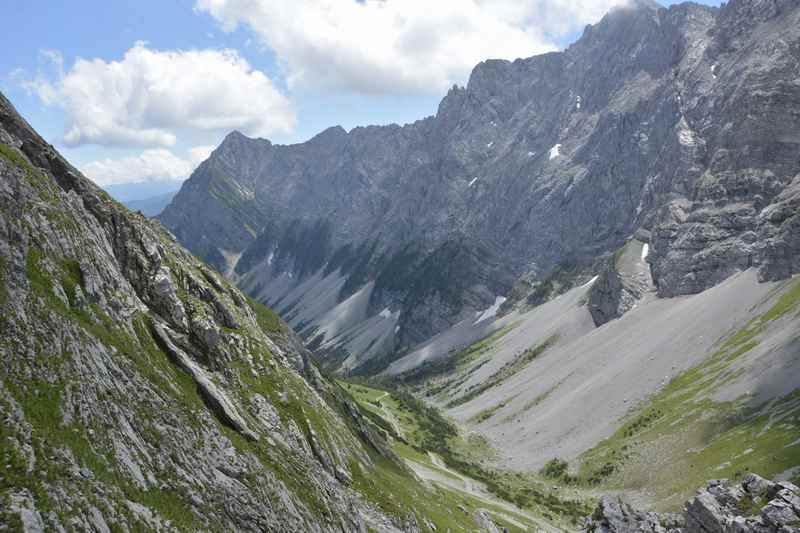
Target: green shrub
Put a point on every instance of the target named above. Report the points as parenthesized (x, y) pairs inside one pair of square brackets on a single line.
[(555, 468)]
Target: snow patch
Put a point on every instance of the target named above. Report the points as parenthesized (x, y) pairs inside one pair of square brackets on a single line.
[(270, 258), (590, 282), (578, 102), (386, 313), (490, 144), (714, 71), (645, 251), (555, 151), (492, 311), (531, 154), (471, 183), (396, 329)]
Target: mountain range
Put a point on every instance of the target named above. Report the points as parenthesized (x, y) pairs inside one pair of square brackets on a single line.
[(674, 123)]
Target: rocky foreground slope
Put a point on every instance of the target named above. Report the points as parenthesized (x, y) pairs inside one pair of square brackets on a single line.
[(682, 122), (141, 391), (755, 504)]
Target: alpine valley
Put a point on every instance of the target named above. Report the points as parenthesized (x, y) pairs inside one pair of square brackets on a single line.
[(567, 301)]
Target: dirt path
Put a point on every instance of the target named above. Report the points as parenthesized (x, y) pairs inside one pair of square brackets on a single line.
[(389, 416), (461, 483)]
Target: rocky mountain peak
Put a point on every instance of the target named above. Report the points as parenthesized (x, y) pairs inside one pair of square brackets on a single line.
[(536, 164)]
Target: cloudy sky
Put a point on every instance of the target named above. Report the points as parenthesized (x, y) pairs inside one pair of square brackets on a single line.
[(143, 91)]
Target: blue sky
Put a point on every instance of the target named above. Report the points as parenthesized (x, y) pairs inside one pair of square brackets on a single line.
[(138, 106)]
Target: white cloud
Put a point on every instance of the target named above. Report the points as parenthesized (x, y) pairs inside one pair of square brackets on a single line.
[(400, 45), (156, 164), (142, 99)]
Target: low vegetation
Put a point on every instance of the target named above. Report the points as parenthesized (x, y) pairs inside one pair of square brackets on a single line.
[(486, 414), (682, 436), (508, 370), (428, 431)]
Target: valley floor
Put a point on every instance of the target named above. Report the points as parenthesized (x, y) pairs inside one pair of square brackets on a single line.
[(441, 454), (675, 392)]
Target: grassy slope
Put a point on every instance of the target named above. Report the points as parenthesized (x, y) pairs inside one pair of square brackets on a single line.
[(681, 438), (40, 398)]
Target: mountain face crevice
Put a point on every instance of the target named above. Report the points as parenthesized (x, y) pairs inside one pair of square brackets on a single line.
[(679, 121)]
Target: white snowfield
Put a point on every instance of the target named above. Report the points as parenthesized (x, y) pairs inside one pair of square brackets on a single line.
[(491, 312), (555, 151)]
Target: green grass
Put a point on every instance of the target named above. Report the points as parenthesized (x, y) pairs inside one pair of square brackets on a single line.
[(376, 401), (555, 468), (42, 403), (469, 455), (72, 277), (681, 438), (35, 177), (268, 319), (436, 503), (134, 349)]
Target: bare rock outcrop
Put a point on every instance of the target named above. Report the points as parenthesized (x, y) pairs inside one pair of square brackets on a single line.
[(756, 505)]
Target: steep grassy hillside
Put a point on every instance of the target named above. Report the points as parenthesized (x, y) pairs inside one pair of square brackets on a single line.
[(141, 391), (693, 429), (459, 462)]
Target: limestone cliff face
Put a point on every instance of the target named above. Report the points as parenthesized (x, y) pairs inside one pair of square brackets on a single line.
[(139, 390), (679, 121)]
